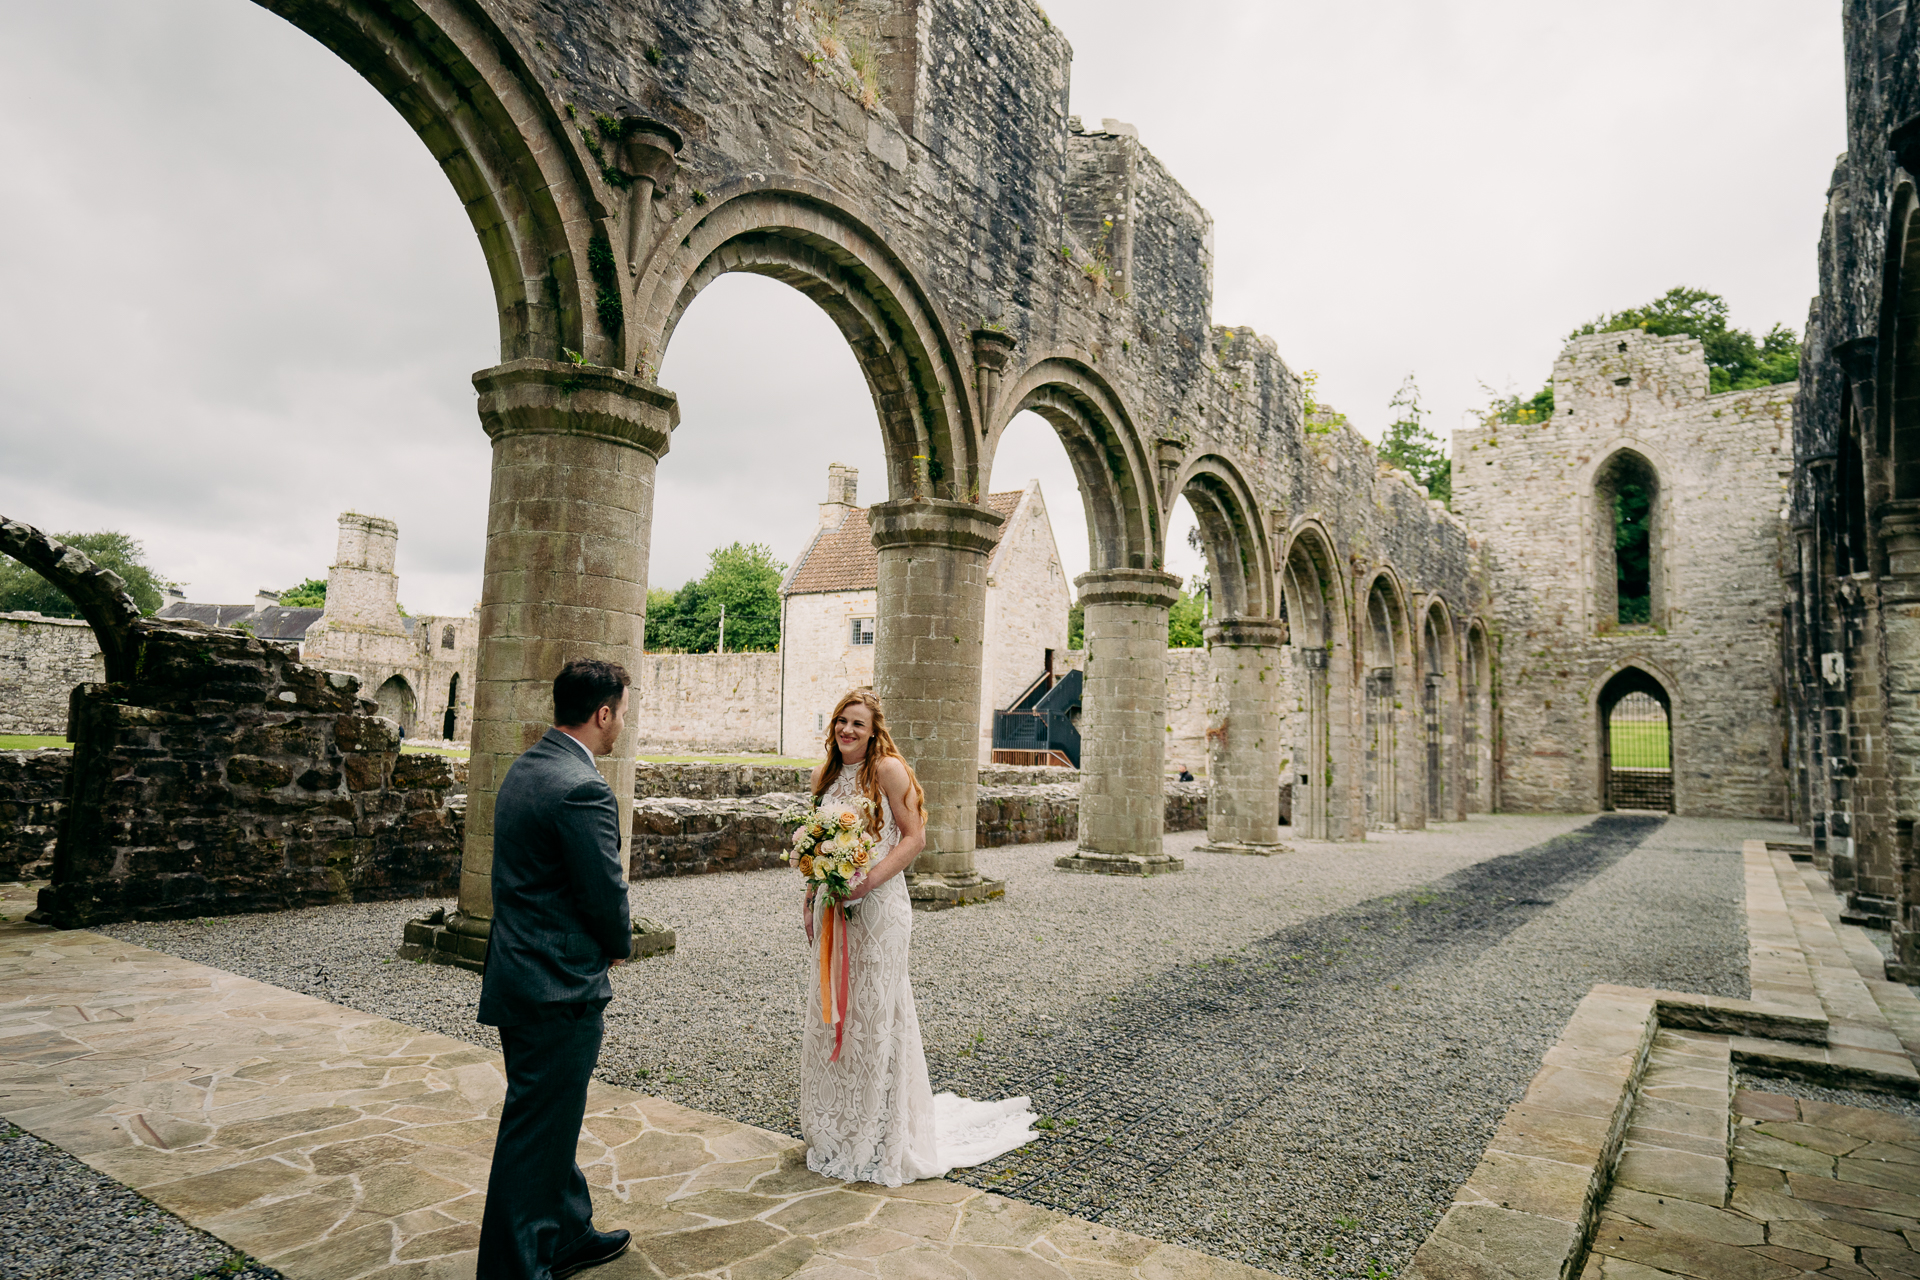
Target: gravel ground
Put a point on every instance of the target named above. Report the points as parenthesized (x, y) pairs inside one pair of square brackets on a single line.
[(60, 1218), (1275, 1090)]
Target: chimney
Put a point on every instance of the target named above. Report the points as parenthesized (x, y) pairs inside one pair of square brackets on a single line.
[(843, 485), (265, 599)]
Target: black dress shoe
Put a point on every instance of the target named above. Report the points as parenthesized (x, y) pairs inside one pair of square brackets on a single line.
[(594, 1248)]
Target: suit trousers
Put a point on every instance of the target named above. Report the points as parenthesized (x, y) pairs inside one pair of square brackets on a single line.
[(538, 1205)]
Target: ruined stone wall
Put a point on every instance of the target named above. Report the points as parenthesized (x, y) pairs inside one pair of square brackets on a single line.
[(720, 702), (1189, 697), (822, 663), (231, 778), (1536, 493), (41, 660), (32, 790)]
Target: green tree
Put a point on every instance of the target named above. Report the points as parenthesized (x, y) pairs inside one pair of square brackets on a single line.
[(1631, 553), (745, 579), (1185, 620), (21, 589), (1409, 446), (310, 594), (1077, 626), (1736, 361), (1511, 408)]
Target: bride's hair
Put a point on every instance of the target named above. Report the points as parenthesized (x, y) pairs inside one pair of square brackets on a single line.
[(878, 749)]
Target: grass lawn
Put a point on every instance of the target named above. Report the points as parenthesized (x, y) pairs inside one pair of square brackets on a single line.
[(30, 742), (1639, 744)]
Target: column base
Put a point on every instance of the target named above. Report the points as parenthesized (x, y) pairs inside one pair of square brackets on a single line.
[(1241, 846), (461, 940), (931, 891), (1119, 864)]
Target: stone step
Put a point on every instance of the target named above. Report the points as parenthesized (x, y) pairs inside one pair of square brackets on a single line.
[(1897, 1001)]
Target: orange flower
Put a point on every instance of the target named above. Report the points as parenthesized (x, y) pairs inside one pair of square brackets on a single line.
[(806, 864)]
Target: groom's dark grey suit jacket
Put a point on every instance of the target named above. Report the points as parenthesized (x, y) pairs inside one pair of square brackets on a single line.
[(559, 895)]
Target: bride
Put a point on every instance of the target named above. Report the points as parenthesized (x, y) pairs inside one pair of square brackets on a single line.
[(871, 1115)]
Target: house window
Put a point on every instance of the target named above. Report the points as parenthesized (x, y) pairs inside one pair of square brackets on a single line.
[(862, 631), (446, 637)]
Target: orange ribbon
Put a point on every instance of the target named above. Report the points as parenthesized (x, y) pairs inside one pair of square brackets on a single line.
[(833, 973)]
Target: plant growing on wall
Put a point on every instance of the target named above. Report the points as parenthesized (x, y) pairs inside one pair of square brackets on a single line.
[(23, 590), (1409, 446)]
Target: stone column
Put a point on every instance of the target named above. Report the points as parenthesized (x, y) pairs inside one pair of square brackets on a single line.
[(1245, 736), (1900, 674), (928, 644), (568, 528), (1123, 730)]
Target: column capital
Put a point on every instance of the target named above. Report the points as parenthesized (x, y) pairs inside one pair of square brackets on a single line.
[(934, 522), (1900, 535), (555, 398), (1246, 633), (1128, 586)]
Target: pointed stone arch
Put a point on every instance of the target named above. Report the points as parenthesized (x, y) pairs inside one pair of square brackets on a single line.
[(1632, 679), (1320, 764), (1239, 554), (1383, 646), (1479, 789), (462, 84), (1440, 685), (809, 237)]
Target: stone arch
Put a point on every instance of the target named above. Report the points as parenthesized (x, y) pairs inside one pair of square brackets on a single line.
[(1614, 568), (396, 701), (1440, 712), (1630, 774), (456, 77), (1898, 427), (1384, 656), (807, 236), (1476, 720), (1232, 531), (1320, 754), (1124, 526), (100, 594)]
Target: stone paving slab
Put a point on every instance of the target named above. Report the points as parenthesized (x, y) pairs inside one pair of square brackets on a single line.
[(333, 1144)]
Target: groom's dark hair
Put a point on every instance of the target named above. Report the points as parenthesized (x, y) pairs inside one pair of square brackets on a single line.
[(584, 686)]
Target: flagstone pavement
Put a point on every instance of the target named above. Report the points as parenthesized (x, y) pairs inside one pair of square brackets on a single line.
[(333, 1144)]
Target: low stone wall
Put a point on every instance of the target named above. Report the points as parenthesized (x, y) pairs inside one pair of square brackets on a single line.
[(683, 837), (707, 702), (32, 787), (41, 660), (703, 780), (233, 779)]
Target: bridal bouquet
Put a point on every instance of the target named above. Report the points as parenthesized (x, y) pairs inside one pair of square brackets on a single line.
[(831, 846)]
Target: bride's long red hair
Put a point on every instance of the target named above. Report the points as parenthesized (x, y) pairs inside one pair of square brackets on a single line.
[(881, 747)]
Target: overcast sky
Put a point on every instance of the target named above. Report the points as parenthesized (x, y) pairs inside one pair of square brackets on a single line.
[(243, 298)]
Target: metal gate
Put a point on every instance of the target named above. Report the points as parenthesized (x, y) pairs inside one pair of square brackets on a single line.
[(1639, 741)]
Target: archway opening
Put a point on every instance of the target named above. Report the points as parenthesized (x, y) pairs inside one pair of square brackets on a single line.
[(1627, 503), (1311, 606), (1476, 718), (395, 701), (451, 719), (1436, 713), (1380, 644), (1636, 740)]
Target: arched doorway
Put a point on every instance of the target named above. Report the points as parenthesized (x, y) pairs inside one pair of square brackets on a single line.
[(451, 718), (1476, 723), (1437, 713), (1382, 639), (1320, 732), (395, 700), (1636, 743)]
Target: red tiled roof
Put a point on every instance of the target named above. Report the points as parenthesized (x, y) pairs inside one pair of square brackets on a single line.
[(843, 559)]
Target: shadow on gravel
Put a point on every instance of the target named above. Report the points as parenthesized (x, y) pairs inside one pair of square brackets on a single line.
[(1179, 1060)]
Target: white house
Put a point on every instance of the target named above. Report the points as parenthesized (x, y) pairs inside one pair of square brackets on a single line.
[(830, 617)]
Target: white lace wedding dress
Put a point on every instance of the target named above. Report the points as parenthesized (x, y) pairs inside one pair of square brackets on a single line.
[(872, 1116)]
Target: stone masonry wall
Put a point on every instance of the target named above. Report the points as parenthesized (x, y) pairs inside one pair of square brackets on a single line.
[(41, 660), (1189, 693), (1721, 463), (230, 778), (706, 702), (822, 663), (32, 789)]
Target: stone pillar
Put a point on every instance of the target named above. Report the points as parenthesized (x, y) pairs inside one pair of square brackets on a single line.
[(569, 523), (926, 669), (1900, 636), (1245, 735), (1123, 730)]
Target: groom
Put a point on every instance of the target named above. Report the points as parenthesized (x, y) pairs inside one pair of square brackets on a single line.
[(559, 920)]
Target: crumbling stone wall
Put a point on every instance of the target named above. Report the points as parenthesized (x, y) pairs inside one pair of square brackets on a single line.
[(41, 660), (1537, 494), (32, 789), (706, 702), (227, 777)]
